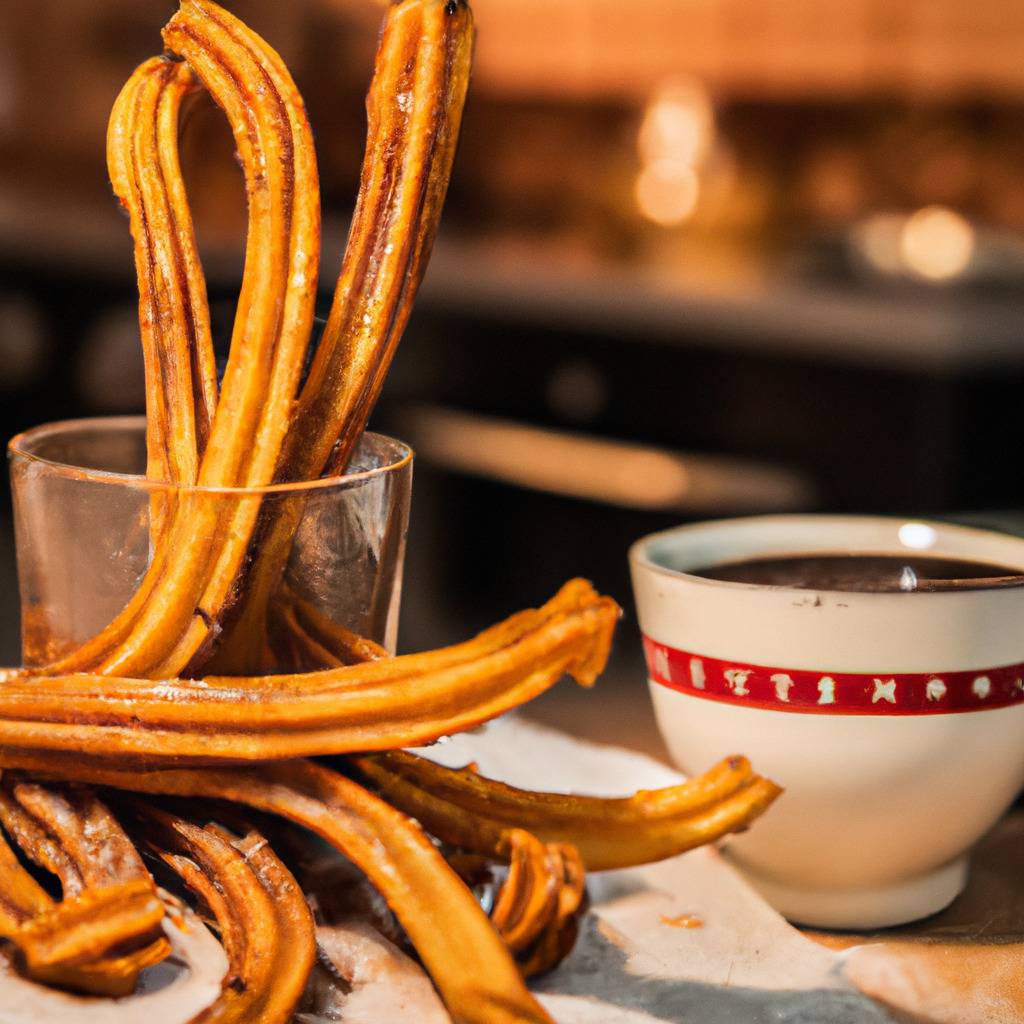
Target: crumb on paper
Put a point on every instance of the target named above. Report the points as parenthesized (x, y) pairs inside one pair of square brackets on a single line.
[(683, 920)]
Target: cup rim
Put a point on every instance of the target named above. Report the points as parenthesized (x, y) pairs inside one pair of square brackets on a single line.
[(19, 447), (640, 558)]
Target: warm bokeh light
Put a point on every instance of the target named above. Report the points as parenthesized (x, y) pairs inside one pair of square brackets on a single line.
[(679, 123), (675, 139), (934, 243), (667, 192), (937, 243), (613, 473), (878, 240)]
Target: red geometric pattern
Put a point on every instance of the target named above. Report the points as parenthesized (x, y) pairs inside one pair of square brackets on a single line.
[(834, 693)]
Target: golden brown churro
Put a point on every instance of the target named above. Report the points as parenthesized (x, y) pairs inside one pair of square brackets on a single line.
[(115, 713), (528, 900), (378, 705), (265, 925), (107, 928), (21, 896), (181, 382), (559, 936), (85, 830), (177, 607), (37, 845), (414, 109), (538, 902), (469, 963), (474, 813), (57, 944)]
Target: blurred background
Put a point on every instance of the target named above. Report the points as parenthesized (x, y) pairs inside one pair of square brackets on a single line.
[(700, 258)]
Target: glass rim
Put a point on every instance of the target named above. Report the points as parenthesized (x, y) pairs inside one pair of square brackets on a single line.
[(19, 447)]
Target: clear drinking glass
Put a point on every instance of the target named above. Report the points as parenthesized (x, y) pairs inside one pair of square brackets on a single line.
[(83, 513)]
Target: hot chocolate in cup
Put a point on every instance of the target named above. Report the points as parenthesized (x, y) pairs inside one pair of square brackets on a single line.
[(893, 717)]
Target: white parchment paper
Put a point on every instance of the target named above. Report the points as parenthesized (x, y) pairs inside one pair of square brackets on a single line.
[(746, 965)]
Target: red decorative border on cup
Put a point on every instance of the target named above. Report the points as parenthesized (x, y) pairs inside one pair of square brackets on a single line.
[(832, 693)]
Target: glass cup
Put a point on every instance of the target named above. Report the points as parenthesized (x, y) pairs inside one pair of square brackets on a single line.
[(84, 516)]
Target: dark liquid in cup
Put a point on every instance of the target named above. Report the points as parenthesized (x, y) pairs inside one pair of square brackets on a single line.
[(855, 573)]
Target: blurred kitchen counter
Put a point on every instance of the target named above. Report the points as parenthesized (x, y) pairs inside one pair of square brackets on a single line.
[(763, 308), (919, 329)]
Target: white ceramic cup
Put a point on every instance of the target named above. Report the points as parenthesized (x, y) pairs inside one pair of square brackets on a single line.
[(894, 721)]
